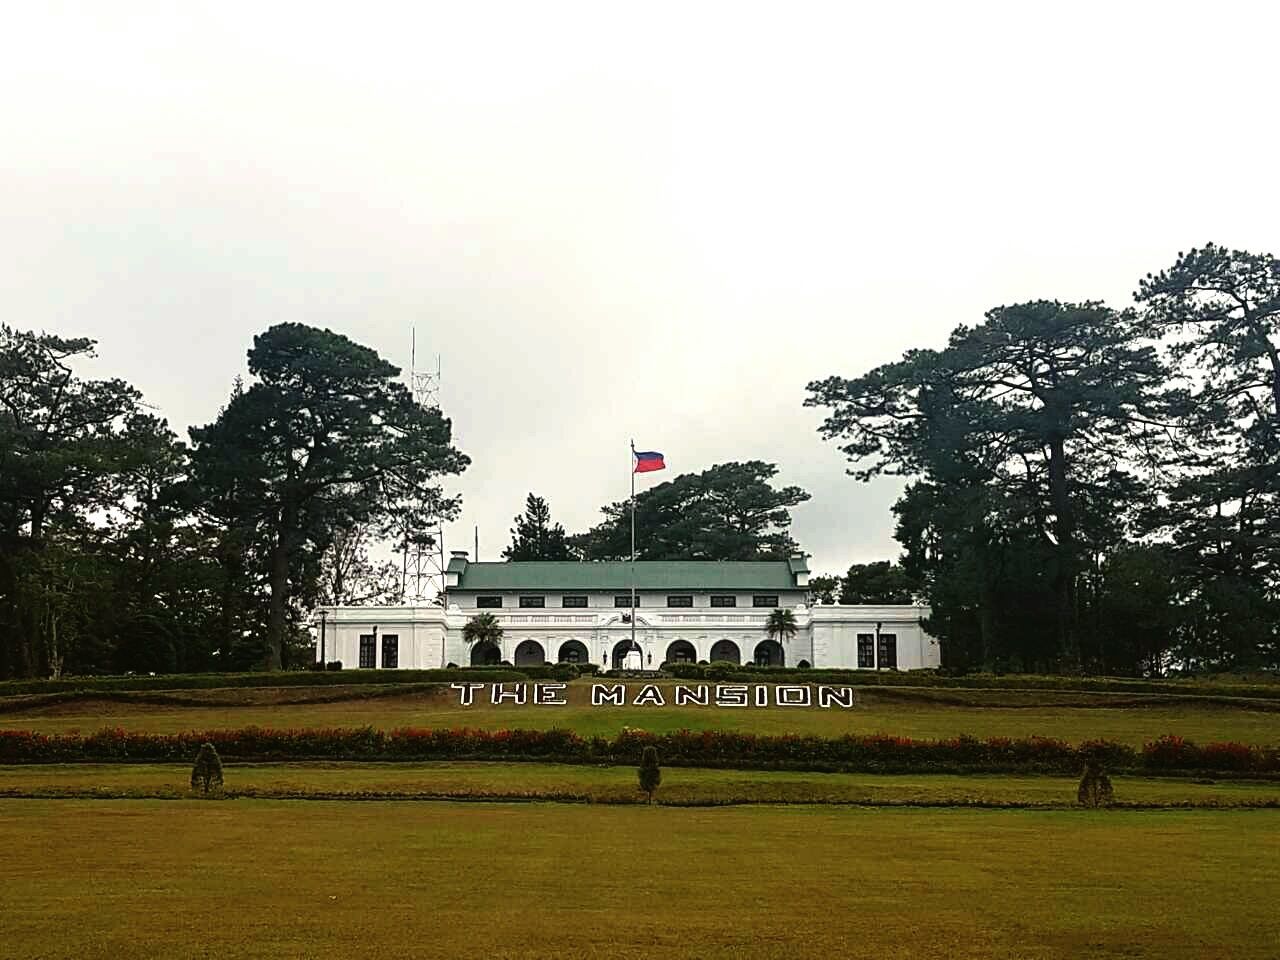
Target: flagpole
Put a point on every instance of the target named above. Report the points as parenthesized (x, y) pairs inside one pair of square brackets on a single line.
[(633, 551)]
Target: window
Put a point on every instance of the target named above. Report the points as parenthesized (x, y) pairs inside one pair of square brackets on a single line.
[(764, 600), (390, 651), (574, 601), (488, 603), (681, 600), (367, 661), (889, 650), (866, 650), (527, 603), (724, 601), (625, 601)]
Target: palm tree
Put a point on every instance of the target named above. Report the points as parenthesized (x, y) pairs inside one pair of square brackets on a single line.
[(781, 625), (481, 629)]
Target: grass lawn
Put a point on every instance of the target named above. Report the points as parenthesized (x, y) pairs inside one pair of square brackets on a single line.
[(618, 784), (1054, 715), (125, 879)]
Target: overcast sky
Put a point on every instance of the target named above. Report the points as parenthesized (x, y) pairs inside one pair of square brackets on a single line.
[(613, 221)]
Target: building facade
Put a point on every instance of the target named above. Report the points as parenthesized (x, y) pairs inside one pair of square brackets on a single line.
[(581, 612)]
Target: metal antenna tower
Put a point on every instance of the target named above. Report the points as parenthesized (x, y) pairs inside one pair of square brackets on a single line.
[(422, 550)]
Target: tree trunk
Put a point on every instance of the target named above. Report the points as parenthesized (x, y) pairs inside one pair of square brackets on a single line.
[(1064, 574), (280, 555)]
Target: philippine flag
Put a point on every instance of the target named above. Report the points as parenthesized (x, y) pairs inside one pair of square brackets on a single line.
[(647, 460)]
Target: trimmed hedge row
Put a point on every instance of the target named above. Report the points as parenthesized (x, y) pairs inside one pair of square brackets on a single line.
[(707, 748), (974, 681), (290, 678)]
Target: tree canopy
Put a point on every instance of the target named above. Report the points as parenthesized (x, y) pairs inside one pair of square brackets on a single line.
[(327, 437), (534, 537), (80, 461), (1027, 438), (730, 511), (1219, 312), (1107, 479), (121, 549), (879, 582)]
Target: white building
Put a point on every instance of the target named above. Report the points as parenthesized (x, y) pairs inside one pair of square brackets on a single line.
[(581, 612)]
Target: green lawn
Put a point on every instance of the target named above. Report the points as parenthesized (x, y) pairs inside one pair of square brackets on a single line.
[(125, 879), (1065, 717), (618, 784)]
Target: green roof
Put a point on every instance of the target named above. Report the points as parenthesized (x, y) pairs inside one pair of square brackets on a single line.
[(616, 575)]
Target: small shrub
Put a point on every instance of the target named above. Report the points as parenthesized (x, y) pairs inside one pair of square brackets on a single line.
[(720, 670), (206, 774), (650, 774), (684, 671), (451, 665), (333, 665), (565, 671), (1095, 786)]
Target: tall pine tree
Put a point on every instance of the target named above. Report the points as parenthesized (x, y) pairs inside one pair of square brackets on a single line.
[(1023, 436), (535, 537), (326, 437)]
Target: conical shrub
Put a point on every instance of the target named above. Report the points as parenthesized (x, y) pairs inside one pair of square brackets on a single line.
[(650, 773), (206, 774)]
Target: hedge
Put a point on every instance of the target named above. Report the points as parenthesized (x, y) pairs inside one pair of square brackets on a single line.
[(289, 678), (707, 748), (974, 681)]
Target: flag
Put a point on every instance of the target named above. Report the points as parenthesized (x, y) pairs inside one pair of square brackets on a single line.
[(647, 460)]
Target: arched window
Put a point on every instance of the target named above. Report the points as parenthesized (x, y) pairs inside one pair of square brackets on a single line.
[(769, 654), (727, 651), (529, 653), (485, 654), (573, 651), (682, 651)]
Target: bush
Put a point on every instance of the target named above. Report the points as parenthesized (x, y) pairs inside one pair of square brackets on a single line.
[(565, 671), (650, 775), (1175, 753), (719, 670), (293, 678), (684, 671), (206, 773), (1095, 786)]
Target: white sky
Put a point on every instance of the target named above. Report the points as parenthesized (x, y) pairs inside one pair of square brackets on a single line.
[(657, 221)]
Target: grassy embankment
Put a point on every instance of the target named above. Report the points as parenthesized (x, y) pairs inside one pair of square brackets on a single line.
[(908, 712), (120, 880)]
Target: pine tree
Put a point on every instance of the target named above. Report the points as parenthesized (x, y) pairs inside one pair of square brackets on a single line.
[(326, 437), (534, 537), (1029, 438), (650, 773), (206, 774), (730, 511)]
